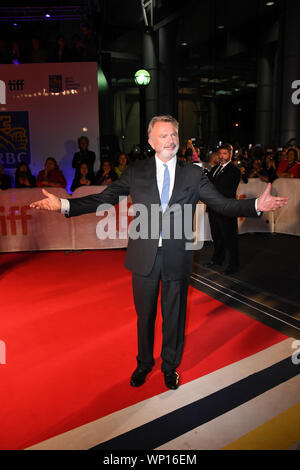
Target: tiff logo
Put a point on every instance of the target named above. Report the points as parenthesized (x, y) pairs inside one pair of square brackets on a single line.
[(16, 85), (2, 352), (2, 92), (14, 215)]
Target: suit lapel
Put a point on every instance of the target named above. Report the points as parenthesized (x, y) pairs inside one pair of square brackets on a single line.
[(151, 176), (178, 183)]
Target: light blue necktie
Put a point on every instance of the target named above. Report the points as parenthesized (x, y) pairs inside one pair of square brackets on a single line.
[(164, 198)]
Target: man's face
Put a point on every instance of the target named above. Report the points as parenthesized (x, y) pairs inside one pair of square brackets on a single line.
[(164, 140), (83, 144), (290, 156), (224, 156)]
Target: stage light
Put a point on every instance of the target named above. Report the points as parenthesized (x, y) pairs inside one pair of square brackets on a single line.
[(47, 15), (270, 4)]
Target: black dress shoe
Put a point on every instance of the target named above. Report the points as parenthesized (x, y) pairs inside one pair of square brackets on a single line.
[(138, 377), (172, 379)]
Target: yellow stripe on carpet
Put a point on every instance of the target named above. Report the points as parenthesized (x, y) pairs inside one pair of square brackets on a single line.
[(279, 433)]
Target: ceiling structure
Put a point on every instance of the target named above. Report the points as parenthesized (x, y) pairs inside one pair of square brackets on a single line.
[(218, 41)]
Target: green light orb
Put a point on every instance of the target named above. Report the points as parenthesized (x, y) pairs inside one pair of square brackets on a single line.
[(142, 78)]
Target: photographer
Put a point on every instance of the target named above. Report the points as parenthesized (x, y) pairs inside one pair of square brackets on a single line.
[(238, 163)]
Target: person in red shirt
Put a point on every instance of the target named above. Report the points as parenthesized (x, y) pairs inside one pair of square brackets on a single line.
[(289, 167), (51, 176)]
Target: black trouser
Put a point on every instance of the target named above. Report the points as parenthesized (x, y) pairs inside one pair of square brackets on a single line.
[(173, 306), (224, 234)]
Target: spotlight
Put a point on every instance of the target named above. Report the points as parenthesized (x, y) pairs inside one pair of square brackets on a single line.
[(47, 15), (270, 4)]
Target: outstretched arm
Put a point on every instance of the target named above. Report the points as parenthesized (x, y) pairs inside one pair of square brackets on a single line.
[(90, 203), (238, 208)]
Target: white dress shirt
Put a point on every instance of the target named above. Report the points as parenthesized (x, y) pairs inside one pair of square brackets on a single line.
[(160, 171)]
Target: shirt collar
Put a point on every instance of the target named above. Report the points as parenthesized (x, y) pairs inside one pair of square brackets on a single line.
[(171, 163), (223, 166)]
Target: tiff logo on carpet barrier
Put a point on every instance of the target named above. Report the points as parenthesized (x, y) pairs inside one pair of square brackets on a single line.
[(2, 352), (14, 214)]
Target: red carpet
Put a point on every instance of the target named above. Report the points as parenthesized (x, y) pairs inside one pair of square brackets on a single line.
[(69, 327)]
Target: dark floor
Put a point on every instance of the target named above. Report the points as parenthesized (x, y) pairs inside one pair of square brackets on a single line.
[(267, 286)]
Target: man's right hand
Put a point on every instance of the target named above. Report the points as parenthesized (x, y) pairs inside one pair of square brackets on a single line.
[(50, 203)]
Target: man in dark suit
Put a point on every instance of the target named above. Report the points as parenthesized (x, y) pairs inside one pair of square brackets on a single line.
[(226, 177), (83, 156), (174, 187)]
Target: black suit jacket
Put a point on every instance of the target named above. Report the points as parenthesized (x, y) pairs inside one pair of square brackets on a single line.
[(227, 181), (190, 186)]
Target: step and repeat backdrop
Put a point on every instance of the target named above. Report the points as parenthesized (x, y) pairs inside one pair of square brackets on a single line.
[(25, 229), (44, 108)]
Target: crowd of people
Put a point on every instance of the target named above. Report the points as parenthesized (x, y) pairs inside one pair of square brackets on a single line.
[(254, 162), (82, 46), (52, 176)]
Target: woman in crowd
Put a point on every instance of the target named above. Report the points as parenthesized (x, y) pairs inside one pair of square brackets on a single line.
[(190, 149), (268, 173), (84, 178), (51, 176), (106, 174), (23, 177), (122, 164), (289, 167), (257, 169)]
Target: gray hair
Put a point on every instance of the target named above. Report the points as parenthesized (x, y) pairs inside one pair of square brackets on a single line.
[(162, 118)]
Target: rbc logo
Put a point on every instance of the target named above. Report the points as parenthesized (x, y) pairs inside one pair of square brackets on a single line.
[(14, 138)]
